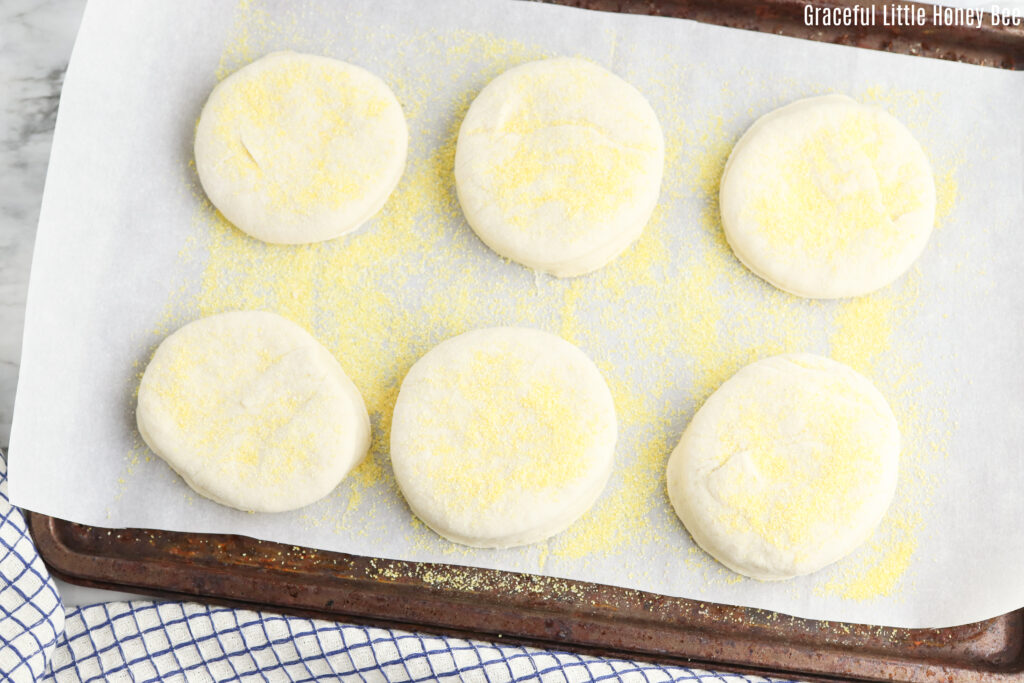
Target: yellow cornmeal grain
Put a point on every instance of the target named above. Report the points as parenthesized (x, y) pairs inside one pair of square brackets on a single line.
[(786, 497), (586, 180), (501, 428), (946, 195), (862, 337), (470, 580), (864, 326), (879, 574), (688, 313), (238, 50), (570, 328), (618, 517), (288, 158), (585, 173), (924, 105), (797, 212), (257, 440)]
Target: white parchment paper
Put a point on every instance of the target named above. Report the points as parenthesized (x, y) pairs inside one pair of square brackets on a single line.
[(120, 254)]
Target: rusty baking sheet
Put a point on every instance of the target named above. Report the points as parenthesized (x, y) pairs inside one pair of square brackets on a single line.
[(999, 46), (522, 608), (564, 614)]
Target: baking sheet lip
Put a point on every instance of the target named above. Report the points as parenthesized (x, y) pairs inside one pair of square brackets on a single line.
[(44, 532), (927, 41), (659, 657), (497, 638), (53, 540), (329, 580)]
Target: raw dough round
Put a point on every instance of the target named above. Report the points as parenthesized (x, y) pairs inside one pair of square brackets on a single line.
[(252, 412), (558, 165), (502, 436), (827, 198), (298, 148), (787, 468)]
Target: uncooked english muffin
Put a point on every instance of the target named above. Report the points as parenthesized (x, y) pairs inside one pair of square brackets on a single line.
[(827, 198), (787, 468), (558, 165), (252, 412), (298, 148), (502, 436)]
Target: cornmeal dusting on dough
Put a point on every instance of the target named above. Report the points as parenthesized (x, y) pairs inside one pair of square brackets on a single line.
[(524, 432), (832, 191), (583, 179), (259, 440), (290, 158), (924, 105), (560, 160), (823, 467)]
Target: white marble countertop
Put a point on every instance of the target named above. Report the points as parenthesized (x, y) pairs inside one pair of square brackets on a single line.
[(36, 37)]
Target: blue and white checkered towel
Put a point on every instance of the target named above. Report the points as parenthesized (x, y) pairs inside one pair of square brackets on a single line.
[(31, 614), (171, 641)]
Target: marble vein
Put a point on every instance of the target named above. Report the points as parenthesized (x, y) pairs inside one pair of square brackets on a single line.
[(36, 38)]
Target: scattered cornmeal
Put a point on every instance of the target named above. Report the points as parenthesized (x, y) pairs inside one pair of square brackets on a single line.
[(502, 436), (252, 412), (826, 198), (298, 148), (789, 466), (558, 165)]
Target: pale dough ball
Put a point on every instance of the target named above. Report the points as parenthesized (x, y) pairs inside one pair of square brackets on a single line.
[(298, 148), (558, 165), (502, 436), (252, 412), (827, 198), (787, 468)]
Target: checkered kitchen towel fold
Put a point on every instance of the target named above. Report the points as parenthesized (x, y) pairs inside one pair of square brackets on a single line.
[(31, 615), (148, 641), (143, 641)]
